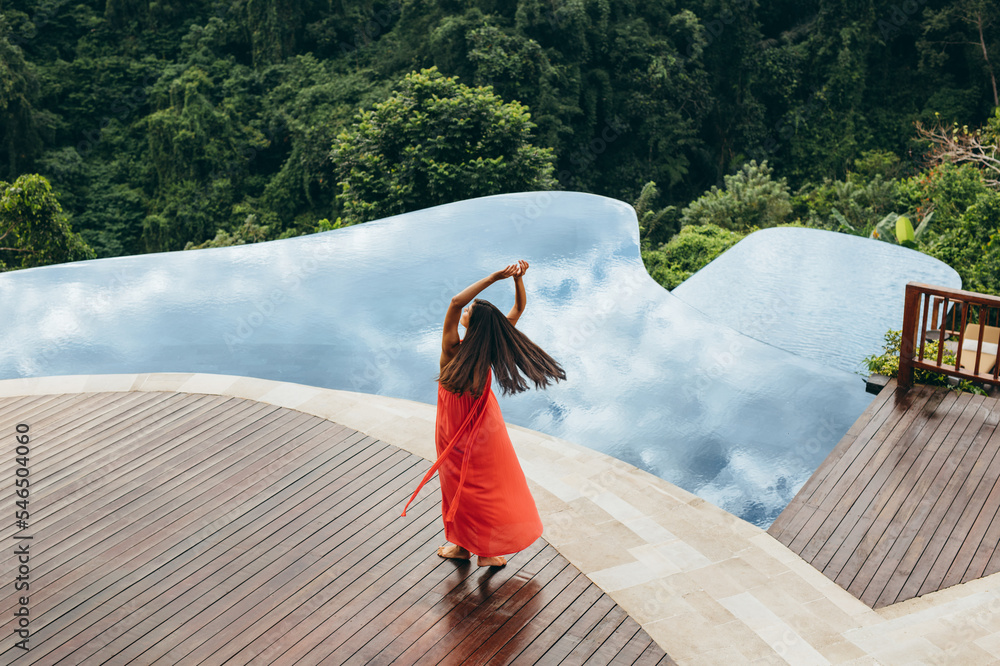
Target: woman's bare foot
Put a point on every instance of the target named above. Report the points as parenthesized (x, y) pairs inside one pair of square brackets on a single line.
[(453, 552), (491, 561)]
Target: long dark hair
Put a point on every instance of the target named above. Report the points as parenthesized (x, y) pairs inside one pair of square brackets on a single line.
[(493, 341)]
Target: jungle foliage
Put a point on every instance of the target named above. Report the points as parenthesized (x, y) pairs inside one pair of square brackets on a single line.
[(33, 229), (434, 141), (176, 124)]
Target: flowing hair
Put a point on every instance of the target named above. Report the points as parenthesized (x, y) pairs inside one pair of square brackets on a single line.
[(492, 340)]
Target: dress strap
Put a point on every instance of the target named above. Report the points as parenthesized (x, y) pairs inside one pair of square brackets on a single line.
[(477, 410)]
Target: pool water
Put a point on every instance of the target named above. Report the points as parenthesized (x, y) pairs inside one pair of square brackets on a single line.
[(652, 379), (827, 296)]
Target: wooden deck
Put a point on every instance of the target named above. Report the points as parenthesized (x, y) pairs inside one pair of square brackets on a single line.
[(193, 529), (908, 502)]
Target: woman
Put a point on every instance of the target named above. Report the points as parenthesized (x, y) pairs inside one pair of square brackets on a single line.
[(487, 507)]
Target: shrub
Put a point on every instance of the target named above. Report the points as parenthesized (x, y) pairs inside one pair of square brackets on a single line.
[(688, 252), (848, 206), (750, 199), (887, 363)]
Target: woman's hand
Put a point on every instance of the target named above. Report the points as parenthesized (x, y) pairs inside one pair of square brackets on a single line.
[(505, 273), (522, 268)]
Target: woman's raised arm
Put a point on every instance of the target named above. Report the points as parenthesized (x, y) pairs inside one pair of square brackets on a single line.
[(520, 296), (449, 338)]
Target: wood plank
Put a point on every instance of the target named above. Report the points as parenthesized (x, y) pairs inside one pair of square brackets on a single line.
[(934, 533), (589, 632), (952, 549), (64, 524), (540, 650), (885, 419), (317, 617), (22, 409), (98, 437), (105, 587), (967, 478), (142, 459), (980, 505), (196, 529), (544, 628), (863, 526), (509, 610), (426, 574), (199, 598), (118, 437), (433, 621), (194, 564), (655, 656), (452, 627), (633, 650), (874, 453), (125, 500), (888, 491), (495, 621), (306, 621), (911, 504), (61, 417), (877, 410), (93, 581), (598, 635), (838, 477), (800, 509), (988, 546), (375, 519), (616, 641), (374, 651), (889, 577)]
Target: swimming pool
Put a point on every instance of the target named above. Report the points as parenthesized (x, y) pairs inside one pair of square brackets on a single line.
[(650, 379), (824, 295)]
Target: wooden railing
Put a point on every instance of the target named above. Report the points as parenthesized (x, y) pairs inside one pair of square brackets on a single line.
[(952, 317)]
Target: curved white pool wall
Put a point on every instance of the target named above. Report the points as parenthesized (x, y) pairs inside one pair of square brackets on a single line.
[(650, 379), (821, 294)]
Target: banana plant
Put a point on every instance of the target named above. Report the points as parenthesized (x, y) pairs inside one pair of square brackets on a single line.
[(898, 228)]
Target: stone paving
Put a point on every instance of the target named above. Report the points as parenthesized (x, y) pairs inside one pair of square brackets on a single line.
[(709, 587)]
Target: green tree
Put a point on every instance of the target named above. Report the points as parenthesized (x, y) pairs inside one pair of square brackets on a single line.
[(270, 26), (972, 246), (308, 109), (971, 24), (947, 190), (22, 124), (33, 229), (434, 141), (656, 227), (201, 154), (750, 198), (852, 206)]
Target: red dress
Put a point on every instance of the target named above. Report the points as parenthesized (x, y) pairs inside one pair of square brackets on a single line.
[(486, 504)]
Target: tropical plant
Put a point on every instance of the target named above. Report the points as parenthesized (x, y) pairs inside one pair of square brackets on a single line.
[(434, 141), (750, 198), (898, 228), (688, 252), (849, 206), (886, 363), (33, 228), (655, 226), (22, 123)]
